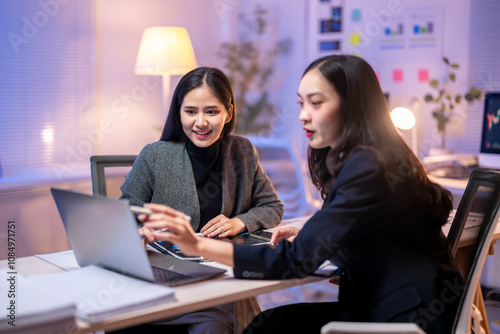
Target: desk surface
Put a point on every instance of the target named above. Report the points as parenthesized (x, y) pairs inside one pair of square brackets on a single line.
[(456, 186), (464, 239), (190, 297)]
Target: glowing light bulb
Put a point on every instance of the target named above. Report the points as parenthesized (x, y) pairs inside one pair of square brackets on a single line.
[(48, 135), (403, 118)]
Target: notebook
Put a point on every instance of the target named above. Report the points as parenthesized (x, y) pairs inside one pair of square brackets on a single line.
[(103, 232)]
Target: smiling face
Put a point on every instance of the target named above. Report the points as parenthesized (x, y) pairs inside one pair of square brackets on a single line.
[(203, 116), (320, 110)]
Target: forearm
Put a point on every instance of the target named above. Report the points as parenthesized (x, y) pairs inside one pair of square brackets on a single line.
[(216, 250)]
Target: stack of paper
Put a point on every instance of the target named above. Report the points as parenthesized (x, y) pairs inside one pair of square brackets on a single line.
[(29, 307), (90, 293)]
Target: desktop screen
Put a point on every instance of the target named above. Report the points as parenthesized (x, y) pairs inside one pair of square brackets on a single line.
[(489, 156)]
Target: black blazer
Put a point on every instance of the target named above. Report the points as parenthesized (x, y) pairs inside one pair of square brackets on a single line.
[(395, 261)]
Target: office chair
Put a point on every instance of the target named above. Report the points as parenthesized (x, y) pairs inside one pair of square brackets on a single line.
[(280, 160), (472, 229), (98, 164)]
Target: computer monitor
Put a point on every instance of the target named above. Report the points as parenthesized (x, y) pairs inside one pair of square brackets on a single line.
[(489, 156)]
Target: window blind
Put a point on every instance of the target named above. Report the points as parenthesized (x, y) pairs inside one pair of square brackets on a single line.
[(484, 64), (47, 86)]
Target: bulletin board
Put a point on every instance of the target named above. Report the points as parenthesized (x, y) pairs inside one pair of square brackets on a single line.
[(402, 42)]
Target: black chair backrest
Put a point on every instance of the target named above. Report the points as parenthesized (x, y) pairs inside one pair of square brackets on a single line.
[(98, 163), (472, 229)]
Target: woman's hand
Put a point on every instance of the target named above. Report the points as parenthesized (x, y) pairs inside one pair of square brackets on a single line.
[(174, 226), (222, 227), (146, 235), (284, 233), (169, 224)]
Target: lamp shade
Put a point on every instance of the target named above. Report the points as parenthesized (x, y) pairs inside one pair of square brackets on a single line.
[(165, 50)]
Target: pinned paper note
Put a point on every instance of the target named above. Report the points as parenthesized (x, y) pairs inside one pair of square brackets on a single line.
[(397, 75), (423, 75), (355, 39), (356, 15)]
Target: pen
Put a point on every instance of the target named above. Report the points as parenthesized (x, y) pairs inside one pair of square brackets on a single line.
[(186, 217), (139, 209), (159, 230)]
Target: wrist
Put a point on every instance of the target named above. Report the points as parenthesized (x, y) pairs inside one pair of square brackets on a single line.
[(201, 246), (240, 226)]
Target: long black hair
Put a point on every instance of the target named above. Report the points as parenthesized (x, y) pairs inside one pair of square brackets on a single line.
[(219, 85), (366, 124)]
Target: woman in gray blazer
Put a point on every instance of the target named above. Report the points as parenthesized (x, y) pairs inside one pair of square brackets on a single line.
[(199, 168)]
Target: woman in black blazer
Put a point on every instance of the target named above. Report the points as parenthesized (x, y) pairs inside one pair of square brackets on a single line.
[(380, 222)]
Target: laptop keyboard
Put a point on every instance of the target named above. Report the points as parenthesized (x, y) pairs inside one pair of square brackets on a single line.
[(163, 275)]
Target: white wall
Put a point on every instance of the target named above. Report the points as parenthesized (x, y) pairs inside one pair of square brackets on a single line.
[(287, 20)]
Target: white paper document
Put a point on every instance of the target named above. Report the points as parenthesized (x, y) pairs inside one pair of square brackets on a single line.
[(65, 260), (90, 293), (33, 308), (99, 293)]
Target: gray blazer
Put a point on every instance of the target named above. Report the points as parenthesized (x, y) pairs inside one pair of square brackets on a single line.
[(162, 173)]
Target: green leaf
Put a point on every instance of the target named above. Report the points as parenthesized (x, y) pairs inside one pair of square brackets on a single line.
[(468, 97), (434, 83), (452, 77), (428, 98), (458, 98), (446, 60), (455, 65), (476, 93)]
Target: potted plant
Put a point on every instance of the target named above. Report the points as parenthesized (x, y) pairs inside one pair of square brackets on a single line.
[(448, 103), (249, 65)]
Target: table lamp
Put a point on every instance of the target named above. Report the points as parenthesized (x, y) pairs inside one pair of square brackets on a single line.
[(165, 51), (404, 119)]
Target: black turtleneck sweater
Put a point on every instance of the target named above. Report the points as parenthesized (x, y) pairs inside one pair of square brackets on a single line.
[(206, 164)]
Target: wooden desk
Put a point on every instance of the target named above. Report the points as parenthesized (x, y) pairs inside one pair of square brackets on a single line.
[(190, 297)]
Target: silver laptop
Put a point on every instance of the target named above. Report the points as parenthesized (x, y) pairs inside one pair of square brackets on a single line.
[(103, 232)]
